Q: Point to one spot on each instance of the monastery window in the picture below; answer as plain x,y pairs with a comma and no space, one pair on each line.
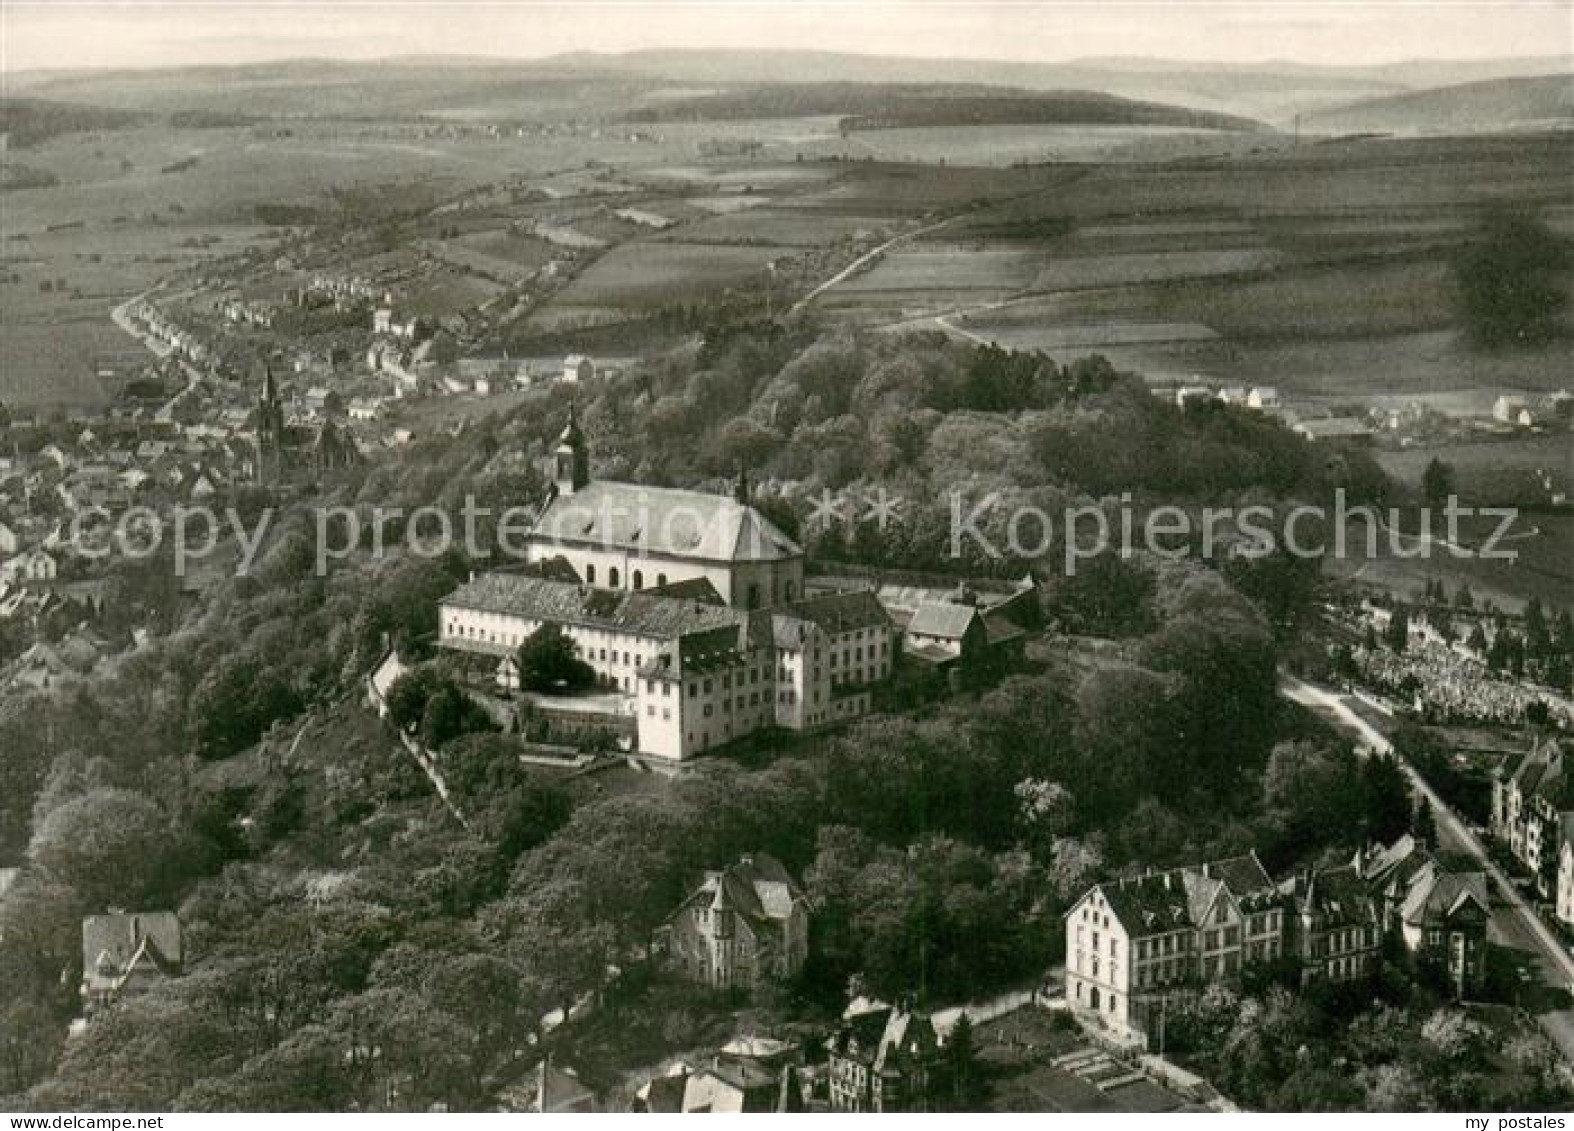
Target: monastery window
666,714
666,689
788,591
590,575
708,687
661,579
651,710
708,710
639,579
612,577
694,689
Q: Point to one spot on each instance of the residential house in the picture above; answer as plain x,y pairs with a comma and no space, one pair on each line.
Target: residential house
382,679
122,952
1130,942
1506,409
559,1091
882,1060
366,409
36,565
1439,915
577,368
1348,430
742,926
733,1083
1564,904
1339,926
1443,923
1528,803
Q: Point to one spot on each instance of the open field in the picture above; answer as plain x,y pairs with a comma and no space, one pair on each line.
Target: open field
1491,469
1542,564
1002,145
648,274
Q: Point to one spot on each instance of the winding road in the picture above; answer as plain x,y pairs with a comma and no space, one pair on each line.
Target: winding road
1515,923
863,261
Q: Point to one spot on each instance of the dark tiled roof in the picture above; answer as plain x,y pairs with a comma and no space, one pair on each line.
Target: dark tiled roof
885,1039
112,943
1338,897
537,598
1243,875
691,589
1150,905
840,612
757,888
1436,894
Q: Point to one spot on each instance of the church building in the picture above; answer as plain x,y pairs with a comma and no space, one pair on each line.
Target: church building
629,537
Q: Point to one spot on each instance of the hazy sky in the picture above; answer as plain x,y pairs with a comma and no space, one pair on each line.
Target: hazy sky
143,33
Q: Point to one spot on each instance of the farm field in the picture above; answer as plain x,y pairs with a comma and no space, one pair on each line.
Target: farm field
781,228
1002,145
653,272
1542,565
1490,469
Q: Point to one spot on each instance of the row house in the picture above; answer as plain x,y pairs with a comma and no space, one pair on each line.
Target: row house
1563,904
1133,941
1339,926
1529,801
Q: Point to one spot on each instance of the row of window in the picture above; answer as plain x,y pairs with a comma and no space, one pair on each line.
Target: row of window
615,579
1343,940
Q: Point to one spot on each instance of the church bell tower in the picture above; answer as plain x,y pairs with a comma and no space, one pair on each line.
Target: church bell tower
571,461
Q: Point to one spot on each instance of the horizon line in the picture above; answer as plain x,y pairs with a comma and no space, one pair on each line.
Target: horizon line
1080,60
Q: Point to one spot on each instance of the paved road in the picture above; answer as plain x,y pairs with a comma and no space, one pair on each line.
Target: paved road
1514,923
859,263
121,317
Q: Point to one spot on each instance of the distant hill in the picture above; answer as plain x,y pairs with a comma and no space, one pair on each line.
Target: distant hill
330,88
1495,104
1271,90
591,85
873,106
28,121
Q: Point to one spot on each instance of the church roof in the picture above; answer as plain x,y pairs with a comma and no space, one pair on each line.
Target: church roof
663,520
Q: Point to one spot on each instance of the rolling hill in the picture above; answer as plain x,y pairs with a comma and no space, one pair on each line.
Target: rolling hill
590,85
1495,104
870,106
